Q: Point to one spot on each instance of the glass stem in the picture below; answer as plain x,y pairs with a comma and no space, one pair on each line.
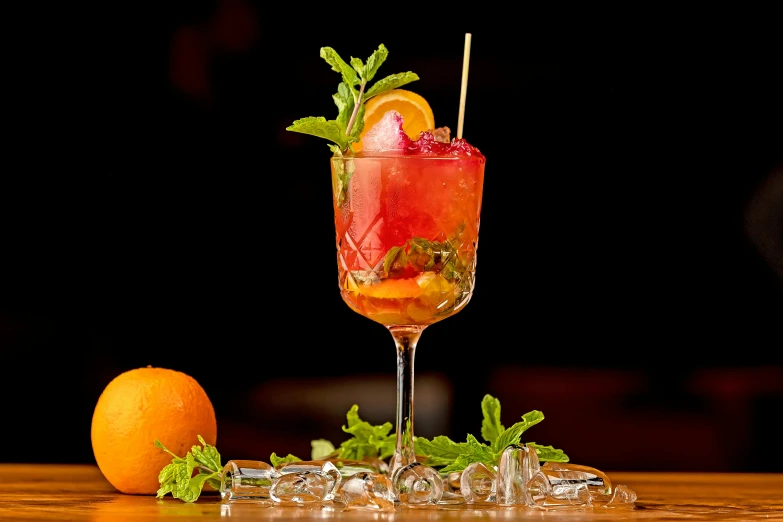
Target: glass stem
406,338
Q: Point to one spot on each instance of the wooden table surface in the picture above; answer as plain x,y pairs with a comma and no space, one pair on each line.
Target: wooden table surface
79,492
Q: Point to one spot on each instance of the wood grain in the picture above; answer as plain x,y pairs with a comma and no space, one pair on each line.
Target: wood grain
79,492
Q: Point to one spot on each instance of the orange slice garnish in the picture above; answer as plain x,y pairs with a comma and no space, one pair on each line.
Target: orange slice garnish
392,289
416,113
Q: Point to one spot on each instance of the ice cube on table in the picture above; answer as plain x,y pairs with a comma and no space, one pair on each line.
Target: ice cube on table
323,467
566,475
566,478
522,480
515,470
300,488
247,480
366,490
478,483
386,135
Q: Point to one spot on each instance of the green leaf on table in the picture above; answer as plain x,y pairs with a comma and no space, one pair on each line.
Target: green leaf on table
513,434
177,478
491,426
321,449
192,489
475,452
548,453
456,456
441,450
208,457
276,461
368,440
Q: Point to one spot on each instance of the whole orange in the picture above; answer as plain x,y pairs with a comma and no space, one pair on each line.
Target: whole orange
136,408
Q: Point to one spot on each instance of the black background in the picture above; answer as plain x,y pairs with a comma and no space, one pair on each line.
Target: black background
167,218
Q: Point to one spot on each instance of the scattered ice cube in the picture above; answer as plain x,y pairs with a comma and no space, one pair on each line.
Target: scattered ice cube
515,470
366,490
563,475
522,480
386,135
300,488
623,496
247,480
323,467
478,483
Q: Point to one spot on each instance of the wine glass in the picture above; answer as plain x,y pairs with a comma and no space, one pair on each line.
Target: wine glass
407,233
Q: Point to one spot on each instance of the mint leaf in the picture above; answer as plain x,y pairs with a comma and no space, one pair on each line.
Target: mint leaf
425,255
475,451
276,461
393,81
319,126
345,103
358,66
349,124
368,440
192,489
395,259
459,464
548,453
480,451
373,62
339,65
512,435
208,457
491,427
344,99
343,171
441,450
321,449
178,479
176,459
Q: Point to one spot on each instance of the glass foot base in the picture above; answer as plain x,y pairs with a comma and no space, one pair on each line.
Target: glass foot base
416,484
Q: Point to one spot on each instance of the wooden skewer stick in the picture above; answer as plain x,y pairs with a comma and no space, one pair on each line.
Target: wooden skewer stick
464,89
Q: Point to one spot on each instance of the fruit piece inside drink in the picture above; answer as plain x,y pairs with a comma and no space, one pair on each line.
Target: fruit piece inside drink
407,219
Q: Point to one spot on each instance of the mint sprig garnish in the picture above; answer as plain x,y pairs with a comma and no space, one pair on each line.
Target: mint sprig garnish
347,127
178,479
456,456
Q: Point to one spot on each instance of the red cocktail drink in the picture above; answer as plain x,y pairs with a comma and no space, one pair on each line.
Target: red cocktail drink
407,226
